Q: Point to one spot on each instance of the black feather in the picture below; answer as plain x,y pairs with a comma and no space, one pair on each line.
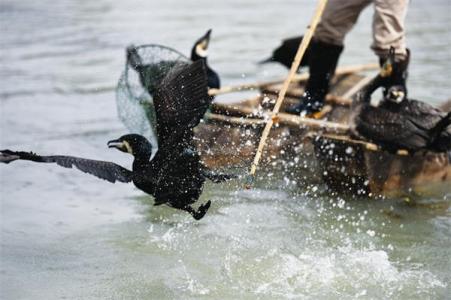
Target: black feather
181,101
102,169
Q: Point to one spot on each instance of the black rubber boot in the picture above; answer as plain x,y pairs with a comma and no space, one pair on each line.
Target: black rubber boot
322,62
395,72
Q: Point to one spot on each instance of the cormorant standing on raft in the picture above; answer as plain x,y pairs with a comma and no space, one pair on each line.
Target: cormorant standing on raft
398,122
175,176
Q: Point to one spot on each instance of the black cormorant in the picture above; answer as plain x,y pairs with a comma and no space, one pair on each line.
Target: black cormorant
397,122
285,53
175,176
200,52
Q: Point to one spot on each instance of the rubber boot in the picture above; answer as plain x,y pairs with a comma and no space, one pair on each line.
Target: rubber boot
322,63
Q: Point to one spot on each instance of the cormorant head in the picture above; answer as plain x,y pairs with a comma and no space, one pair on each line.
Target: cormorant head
396,94
200,48
279,55
285,53
135,144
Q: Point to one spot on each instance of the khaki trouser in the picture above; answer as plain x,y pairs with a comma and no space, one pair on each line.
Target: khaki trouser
388,24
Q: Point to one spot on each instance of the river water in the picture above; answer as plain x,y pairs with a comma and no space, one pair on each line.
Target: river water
67,235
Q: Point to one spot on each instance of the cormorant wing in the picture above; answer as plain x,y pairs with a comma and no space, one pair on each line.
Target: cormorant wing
422,114
151,75
391,129
103,169
181,101
153,63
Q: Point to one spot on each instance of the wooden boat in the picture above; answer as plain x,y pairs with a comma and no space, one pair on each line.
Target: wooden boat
230,134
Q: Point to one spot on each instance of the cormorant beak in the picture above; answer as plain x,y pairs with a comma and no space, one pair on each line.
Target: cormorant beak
397,96
265,61
115,144
123,146
202,44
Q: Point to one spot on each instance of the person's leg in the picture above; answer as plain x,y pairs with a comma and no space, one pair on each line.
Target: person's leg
338,18
389,31
323,60
388,28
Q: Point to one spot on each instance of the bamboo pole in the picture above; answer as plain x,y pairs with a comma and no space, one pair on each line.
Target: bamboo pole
240,121
356,88
297,78
294,67
282,118
367,145
338,100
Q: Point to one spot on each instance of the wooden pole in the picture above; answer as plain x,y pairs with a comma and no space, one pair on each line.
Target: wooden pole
356,88
282,119
240,121
367,145
294,67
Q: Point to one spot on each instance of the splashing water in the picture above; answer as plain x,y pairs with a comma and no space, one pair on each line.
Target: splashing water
65,234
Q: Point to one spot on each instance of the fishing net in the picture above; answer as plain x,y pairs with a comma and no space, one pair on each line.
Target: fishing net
145,67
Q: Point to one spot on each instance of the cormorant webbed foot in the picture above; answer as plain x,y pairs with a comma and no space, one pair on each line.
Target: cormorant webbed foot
201,211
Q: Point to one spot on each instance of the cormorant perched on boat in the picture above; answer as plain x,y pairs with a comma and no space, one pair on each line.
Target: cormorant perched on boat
200,52
175,176
285,53
398,122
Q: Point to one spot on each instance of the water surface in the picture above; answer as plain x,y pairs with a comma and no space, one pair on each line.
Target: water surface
68,235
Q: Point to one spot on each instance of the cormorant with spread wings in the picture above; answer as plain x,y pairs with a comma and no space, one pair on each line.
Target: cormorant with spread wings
175,176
